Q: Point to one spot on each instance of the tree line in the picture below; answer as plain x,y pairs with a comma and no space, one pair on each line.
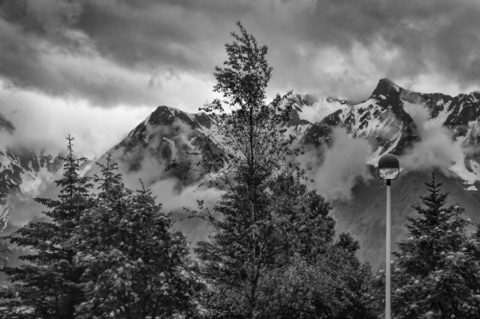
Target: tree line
110,252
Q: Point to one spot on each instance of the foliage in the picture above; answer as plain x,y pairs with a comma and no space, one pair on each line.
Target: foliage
435,272
332,287
134,264
48,285
271,235
109,254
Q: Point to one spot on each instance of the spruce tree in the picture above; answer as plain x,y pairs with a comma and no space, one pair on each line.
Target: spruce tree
47,285
136,265
435,272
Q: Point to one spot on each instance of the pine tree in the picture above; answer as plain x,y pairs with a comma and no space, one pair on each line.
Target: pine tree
47,286
136,266
435,272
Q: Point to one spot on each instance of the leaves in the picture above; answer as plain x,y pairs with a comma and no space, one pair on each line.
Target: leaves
135,266
47,286
270,232
109,254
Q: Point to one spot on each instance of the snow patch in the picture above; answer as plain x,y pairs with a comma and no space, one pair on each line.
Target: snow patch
410,108
4,215
319,110
33,183
460,169
6,162
414,109
173,148
443,115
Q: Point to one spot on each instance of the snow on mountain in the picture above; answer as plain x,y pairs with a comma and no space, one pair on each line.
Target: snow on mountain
167,135
427,131
314,110
23,173
389,120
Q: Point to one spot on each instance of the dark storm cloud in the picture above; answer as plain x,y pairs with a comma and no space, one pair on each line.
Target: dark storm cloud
43,50
405,38
111,52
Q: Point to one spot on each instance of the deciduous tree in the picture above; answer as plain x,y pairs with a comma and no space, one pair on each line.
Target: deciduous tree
270,233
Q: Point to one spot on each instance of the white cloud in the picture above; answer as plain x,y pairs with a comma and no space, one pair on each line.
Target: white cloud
42,122
172,197
344,163
436,148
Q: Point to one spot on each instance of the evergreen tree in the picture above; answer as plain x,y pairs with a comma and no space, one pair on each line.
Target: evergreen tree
435,272
135,264
47,286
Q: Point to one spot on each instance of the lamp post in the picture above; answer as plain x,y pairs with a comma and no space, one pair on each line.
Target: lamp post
388,170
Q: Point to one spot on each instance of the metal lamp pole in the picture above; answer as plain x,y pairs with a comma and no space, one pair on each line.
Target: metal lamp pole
388,265
388,169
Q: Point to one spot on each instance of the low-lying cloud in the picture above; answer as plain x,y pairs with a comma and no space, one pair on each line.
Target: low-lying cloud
175,198
43,122
437,147
23,206
337,168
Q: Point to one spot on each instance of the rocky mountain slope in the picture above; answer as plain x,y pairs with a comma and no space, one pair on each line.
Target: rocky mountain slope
343,142
427,131
23,174
22,171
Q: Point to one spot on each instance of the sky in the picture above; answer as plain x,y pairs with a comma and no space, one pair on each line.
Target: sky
95,69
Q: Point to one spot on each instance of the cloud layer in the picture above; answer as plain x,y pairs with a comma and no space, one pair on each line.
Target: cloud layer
121,51
43,122
436,149
337,168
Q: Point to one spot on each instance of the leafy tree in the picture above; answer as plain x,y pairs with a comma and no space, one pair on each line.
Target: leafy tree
293,229
47,286
253,151
267,225
333,287
435,273
135,264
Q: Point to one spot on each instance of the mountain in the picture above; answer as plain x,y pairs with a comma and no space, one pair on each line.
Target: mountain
167,134
21,171
24,173
343,142
428,132
391,120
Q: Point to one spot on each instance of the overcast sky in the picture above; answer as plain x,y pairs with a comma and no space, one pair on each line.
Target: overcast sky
96,68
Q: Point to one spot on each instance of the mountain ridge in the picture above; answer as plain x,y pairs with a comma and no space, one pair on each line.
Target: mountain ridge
391,120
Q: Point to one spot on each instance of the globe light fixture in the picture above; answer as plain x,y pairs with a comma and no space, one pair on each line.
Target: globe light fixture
388,167
388,170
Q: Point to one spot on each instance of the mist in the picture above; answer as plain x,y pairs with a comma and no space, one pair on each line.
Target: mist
43,122
437,147
338,167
